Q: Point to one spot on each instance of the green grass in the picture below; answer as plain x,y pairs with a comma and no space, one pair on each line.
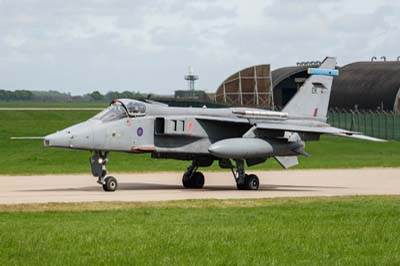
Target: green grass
60,105
302,231
30,157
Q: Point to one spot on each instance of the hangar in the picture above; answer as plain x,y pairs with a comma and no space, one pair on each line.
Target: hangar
251,86
364,85
360,85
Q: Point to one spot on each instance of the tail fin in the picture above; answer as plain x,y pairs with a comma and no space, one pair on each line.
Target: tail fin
312,99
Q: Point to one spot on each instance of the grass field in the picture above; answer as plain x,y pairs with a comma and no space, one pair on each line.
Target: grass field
30,157
70,105
296,231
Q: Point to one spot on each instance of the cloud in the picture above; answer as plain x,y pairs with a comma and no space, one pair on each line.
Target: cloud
79,46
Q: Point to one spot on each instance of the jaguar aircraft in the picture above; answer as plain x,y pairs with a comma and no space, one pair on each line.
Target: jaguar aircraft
234,137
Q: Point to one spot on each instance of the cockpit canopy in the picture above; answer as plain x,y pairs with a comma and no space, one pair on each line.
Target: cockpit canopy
114,112
135,108
120,109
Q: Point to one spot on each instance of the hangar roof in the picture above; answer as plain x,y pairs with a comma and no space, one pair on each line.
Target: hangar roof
248,87
283,73
369,84
366,84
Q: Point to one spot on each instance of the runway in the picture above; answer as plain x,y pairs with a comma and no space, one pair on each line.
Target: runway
219,185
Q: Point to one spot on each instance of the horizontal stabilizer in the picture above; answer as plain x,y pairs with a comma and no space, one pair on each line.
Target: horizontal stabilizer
300,128
362,137
287,161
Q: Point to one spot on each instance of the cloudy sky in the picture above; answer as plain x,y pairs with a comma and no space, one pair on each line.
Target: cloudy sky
147,45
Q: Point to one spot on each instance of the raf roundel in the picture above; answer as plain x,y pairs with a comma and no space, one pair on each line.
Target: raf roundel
139,131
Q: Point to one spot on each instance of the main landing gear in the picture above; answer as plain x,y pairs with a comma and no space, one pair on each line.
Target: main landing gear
191,178
194,179
244,181
98,164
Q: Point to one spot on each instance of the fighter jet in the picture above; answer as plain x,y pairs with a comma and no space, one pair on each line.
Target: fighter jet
234,137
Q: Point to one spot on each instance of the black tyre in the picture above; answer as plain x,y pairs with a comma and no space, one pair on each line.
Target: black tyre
187,181
111,184
198,180
252,182
194,181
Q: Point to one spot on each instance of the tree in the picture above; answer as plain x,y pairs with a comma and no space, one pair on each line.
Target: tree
97,96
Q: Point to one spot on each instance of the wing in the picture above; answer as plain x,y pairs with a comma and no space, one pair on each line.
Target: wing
318,130
295,128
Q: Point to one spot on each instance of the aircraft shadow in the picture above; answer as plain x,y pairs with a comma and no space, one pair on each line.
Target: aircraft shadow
155,186
271,187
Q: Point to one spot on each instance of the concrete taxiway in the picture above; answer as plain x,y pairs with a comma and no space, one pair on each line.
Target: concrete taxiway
219,185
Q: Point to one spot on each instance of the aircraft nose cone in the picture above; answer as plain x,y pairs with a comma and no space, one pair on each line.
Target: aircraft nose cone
76,137
58,139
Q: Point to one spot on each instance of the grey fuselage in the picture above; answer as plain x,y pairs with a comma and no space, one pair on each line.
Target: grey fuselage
185,133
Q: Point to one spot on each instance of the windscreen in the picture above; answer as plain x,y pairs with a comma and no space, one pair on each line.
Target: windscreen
115,112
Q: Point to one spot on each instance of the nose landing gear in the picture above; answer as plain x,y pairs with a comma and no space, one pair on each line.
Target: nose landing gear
98,165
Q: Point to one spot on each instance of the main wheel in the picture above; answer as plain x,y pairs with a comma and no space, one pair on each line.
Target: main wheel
110,184
194,181
252,182
198,180
186,181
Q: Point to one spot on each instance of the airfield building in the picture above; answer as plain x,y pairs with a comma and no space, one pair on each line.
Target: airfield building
251,86
360,85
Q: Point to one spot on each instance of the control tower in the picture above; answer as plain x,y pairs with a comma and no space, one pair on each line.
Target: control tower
191,78
191,94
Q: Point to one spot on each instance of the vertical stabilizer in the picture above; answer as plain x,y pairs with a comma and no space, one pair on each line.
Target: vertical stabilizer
312,99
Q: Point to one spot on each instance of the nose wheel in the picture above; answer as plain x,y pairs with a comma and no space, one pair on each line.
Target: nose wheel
98,164
110,183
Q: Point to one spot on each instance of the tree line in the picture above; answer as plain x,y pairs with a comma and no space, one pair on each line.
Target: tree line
56,96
